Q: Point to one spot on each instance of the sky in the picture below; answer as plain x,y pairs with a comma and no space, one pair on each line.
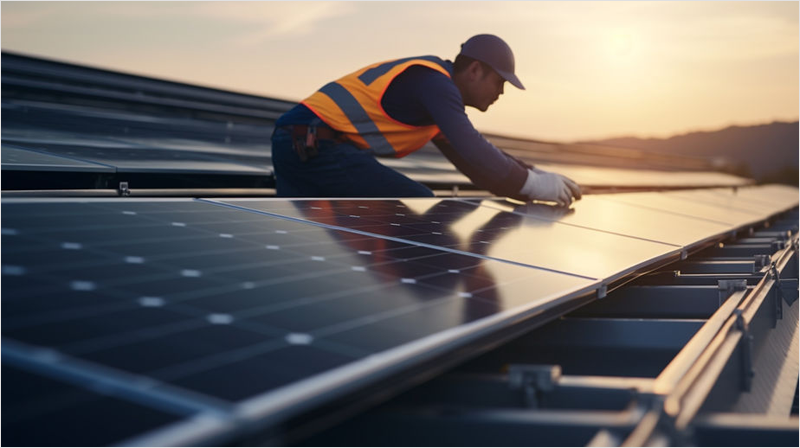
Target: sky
592,69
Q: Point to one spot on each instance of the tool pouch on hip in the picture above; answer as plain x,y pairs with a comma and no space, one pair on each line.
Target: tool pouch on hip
305,145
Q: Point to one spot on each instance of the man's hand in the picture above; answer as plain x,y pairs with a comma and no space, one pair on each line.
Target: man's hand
546,186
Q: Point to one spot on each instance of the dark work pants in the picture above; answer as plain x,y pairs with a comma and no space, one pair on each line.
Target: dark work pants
339,170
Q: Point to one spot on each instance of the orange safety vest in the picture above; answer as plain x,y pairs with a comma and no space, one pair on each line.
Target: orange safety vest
352,106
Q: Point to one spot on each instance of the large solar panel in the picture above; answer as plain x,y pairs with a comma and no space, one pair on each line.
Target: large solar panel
201,315
210,306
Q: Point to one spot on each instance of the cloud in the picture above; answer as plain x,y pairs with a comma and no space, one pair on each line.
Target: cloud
22,15
276,19
270,20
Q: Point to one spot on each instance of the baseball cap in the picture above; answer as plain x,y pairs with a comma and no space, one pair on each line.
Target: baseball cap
494,51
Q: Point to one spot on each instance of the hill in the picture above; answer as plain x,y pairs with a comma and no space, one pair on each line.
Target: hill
768,152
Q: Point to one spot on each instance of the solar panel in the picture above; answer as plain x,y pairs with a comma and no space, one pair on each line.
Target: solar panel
206,305
17,159
149,160
485,231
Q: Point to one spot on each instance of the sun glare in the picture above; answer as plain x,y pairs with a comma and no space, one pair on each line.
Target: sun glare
620,44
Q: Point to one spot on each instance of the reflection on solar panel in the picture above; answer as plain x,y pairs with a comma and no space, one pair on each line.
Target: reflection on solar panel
504,236
199,316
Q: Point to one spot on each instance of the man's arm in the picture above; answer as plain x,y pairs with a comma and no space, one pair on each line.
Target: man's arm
499,186
486,165
422,92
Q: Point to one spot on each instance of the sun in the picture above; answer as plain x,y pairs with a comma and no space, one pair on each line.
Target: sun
620,44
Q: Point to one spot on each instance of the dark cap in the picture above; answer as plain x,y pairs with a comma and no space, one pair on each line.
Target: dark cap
494,51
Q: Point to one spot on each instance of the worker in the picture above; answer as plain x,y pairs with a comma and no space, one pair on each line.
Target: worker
326,145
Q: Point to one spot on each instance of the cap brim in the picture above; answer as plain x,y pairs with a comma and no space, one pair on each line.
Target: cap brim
512,78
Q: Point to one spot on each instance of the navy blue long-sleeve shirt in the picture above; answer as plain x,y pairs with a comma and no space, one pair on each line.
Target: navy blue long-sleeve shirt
421,96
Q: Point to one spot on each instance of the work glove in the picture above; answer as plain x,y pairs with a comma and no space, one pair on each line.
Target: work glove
545,186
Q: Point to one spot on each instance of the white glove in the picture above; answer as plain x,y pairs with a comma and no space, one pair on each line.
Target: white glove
544,186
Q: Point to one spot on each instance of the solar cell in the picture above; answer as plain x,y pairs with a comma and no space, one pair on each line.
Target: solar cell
214,304
484,231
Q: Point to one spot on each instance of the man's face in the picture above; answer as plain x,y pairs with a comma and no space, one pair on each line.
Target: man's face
485,87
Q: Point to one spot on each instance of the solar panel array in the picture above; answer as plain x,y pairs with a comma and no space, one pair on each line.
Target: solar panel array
205,319
67,126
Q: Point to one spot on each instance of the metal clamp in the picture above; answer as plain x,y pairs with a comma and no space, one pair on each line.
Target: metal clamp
777,296
746,346
728,287
777,245
534,380
123,189
786,289
761,261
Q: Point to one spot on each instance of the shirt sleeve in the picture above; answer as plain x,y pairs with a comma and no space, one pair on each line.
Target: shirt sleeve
485,165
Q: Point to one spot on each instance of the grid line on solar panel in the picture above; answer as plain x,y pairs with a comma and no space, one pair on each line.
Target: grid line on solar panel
133,387
555,214
474,250
483,232
71,412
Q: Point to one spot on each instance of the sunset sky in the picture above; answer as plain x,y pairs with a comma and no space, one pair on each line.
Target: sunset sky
592,69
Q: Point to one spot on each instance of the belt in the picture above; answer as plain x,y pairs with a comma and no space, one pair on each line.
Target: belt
323,132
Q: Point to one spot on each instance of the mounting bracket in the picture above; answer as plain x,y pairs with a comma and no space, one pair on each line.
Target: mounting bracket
728,287
746,345
534,380
123,189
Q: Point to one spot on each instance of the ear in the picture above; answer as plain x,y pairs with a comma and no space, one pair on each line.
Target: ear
475,70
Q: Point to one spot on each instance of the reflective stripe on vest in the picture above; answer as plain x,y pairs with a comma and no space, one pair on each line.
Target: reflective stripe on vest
352,105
